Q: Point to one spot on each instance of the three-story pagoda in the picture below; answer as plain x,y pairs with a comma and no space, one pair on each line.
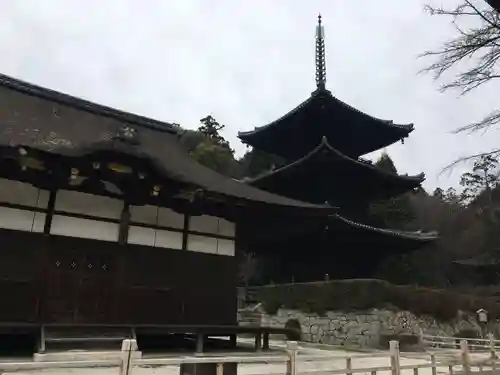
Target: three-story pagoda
322,141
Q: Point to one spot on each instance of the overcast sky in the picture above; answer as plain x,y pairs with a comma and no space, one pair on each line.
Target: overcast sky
247,63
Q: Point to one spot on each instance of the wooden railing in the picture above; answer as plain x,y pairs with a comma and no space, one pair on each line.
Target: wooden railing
490,343
289,362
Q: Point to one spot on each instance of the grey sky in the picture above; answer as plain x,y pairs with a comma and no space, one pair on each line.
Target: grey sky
247,63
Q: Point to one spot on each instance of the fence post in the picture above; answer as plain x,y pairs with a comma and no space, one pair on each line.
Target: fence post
292,348
348,366
129,346
394,353
433,364
493,354
421,337
464,352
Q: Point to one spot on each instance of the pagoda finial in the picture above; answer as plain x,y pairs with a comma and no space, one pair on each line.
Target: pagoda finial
320,55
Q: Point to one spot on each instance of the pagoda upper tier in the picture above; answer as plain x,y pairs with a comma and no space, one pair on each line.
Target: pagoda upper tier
347,129
307,179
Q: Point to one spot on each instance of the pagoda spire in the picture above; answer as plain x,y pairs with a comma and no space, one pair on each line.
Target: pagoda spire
320,55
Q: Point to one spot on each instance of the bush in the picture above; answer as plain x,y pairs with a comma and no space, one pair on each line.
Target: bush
362,294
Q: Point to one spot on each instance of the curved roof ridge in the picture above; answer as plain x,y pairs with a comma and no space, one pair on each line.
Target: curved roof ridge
408,127
85,105
324,144
418,235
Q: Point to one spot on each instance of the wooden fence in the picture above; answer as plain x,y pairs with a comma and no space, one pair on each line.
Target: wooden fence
291,362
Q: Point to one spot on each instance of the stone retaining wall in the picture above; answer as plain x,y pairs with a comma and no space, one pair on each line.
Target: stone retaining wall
362,328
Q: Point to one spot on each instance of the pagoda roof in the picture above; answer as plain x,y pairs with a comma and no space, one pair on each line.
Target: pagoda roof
37,118
352,132
326,174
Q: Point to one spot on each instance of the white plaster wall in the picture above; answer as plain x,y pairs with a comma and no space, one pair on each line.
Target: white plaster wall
15,192
84,228
15,219
211,225
210,245
154,238
88,204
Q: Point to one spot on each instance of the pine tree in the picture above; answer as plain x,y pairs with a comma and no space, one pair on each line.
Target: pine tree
482,178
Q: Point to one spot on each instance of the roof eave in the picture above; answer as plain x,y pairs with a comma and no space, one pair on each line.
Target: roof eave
324,144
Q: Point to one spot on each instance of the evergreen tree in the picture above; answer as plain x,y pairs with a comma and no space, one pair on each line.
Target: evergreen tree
438,193
386,164
482,178
396,212
256,162
209,147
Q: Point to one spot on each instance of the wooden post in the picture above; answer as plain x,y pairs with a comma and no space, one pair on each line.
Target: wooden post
421,337
258,341
41,348
220,369
464,354
394,353
493,354
265,341
292,349
233,341
348,366
433,364
128,347
199,342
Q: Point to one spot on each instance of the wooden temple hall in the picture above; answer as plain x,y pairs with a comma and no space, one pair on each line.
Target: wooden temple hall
107,224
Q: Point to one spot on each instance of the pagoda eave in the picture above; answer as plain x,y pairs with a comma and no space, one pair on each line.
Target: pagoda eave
325,174
325,115
389,241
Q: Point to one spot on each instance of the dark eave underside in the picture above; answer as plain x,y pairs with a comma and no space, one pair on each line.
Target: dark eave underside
325,174
358,125
27,119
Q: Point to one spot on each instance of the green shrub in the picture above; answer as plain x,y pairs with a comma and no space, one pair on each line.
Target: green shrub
362,294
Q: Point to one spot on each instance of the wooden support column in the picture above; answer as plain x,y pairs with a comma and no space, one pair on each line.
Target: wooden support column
185,231
200,338
265,341
124,224
50,211
233,341
258,342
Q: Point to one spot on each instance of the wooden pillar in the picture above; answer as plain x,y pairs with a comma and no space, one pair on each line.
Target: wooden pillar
258,341
50,212
265,343
200,338
124,225
233,340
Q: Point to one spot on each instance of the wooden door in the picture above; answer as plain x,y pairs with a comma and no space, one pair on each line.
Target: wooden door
63,266
82,282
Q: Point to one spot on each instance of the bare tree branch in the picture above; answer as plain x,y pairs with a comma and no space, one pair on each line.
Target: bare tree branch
475,52
492,119
464,159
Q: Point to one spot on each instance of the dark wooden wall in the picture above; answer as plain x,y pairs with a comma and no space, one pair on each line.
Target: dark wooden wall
52,279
